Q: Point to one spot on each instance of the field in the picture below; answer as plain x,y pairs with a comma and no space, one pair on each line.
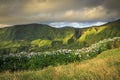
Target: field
40,60
105,66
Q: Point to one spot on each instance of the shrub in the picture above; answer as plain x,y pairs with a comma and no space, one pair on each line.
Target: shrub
39,60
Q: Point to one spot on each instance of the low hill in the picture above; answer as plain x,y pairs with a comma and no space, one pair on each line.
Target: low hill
41,37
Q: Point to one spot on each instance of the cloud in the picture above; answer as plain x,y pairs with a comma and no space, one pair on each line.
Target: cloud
40,11
63,24
4,25
75,24
99,23
85,14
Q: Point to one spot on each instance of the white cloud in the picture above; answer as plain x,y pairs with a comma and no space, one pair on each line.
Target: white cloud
75,24
30,11
4,25
99,23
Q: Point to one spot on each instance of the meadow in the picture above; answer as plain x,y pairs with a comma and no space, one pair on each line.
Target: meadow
106,66
40,60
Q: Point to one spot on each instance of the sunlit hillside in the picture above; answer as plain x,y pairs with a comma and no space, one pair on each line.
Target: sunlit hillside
39,37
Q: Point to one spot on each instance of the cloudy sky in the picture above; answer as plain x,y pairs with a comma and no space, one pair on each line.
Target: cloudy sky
58,13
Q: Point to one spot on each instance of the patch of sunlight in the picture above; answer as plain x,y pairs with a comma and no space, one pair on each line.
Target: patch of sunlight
14,44
41,43
101,29
8,44
45,43
65,40
87,33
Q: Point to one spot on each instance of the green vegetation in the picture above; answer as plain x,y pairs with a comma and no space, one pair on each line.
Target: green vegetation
104,67
37,44
47,53
40,60
39,37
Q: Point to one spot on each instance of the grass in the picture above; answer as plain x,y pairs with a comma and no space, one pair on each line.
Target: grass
65,40
88,32
41,43
105,66
44,37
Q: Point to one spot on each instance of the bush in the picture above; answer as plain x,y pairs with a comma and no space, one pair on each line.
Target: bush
25,61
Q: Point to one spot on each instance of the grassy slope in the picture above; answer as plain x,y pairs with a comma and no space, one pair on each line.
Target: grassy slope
105,66
33,32
54,37
94,34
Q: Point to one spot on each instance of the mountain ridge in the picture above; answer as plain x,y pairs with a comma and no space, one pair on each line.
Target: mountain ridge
118,20
40,37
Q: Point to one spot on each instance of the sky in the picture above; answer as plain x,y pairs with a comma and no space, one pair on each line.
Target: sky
59,13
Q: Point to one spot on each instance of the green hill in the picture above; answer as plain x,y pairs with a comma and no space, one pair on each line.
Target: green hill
41,37
34,31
